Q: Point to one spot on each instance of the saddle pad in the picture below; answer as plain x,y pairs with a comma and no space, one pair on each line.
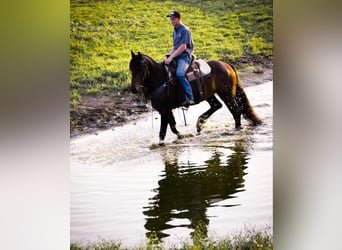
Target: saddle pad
204,70
204,67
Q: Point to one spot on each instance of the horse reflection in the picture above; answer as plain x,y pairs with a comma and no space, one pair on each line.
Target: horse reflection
186,191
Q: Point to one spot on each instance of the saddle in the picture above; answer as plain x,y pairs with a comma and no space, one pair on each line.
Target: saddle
197,71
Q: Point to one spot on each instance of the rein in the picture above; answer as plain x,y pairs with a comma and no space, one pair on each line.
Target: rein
157,92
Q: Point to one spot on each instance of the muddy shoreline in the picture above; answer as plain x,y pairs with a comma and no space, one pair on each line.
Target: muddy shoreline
97,113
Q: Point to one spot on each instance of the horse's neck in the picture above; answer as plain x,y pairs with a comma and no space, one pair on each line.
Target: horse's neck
157,75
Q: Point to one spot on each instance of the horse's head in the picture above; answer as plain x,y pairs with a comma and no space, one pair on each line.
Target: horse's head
139,71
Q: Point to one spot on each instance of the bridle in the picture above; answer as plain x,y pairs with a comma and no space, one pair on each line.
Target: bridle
145,72
144,75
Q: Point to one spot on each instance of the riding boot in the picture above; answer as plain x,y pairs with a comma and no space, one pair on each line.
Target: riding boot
188,102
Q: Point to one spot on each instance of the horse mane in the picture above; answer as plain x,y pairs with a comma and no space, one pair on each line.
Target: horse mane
149,59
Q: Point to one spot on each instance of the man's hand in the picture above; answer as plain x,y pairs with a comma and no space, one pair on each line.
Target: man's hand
175,53
168,60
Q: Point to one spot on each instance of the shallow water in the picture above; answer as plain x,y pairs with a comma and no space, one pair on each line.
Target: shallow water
124,189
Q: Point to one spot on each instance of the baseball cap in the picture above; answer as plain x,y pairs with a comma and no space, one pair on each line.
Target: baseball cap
174,13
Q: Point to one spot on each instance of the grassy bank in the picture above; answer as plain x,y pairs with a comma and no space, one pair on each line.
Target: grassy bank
102,34
249,238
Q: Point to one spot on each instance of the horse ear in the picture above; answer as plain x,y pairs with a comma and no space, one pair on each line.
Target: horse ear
132,53
140,56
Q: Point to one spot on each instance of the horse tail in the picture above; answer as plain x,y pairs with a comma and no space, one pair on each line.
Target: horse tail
244,104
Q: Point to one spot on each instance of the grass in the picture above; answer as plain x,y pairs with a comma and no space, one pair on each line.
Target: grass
249,238
102,34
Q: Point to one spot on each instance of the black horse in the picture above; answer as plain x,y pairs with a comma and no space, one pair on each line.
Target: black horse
152,78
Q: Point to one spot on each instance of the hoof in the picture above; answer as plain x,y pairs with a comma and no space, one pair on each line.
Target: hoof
200,124
161,143
153,146
179,136
256,123
198,128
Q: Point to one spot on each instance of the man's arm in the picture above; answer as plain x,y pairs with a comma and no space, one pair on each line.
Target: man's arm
175,53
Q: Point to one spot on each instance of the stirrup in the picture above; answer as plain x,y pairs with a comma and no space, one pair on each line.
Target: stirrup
187,103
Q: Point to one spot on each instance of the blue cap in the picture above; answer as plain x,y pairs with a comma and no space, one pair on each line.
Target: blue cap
174,13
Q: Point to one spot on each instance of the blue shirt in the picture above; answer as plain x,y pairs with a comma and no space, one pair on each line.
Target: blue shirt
182,35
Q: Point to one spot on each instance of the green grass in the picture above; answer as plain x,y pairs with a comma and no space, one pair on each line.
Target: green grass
102,34
249,238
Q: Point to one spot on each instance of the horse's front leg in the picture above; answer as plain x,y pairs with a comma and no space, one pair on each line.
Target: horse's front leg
172,122
163,127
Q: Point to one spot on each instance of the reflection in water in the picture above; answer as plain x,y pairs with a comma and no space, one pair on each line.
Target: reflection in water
186,190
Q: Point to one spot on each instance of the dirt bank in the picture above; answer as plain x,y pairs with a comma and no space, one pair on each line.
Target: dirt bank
103,112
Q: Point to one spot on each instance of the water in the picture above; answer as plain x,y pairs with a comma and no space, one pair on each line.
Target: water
123,189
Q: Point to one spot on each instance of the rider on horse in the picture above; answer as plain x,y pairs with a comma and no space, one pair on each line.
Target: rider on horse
182,49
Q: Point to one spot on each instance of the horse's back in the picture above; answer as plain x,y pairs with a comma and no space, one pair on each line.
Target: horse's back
222,72
220,66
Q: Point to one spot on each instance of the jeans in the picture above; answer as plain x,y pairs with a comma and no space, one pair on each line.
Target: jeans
183,63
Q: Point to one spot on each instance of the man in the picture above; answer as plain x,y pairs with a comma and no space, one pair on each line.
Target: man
181,51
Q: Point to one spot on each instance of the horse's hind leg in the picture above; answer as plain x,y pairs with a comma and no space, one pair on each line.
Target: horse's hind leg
233,108
214,106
